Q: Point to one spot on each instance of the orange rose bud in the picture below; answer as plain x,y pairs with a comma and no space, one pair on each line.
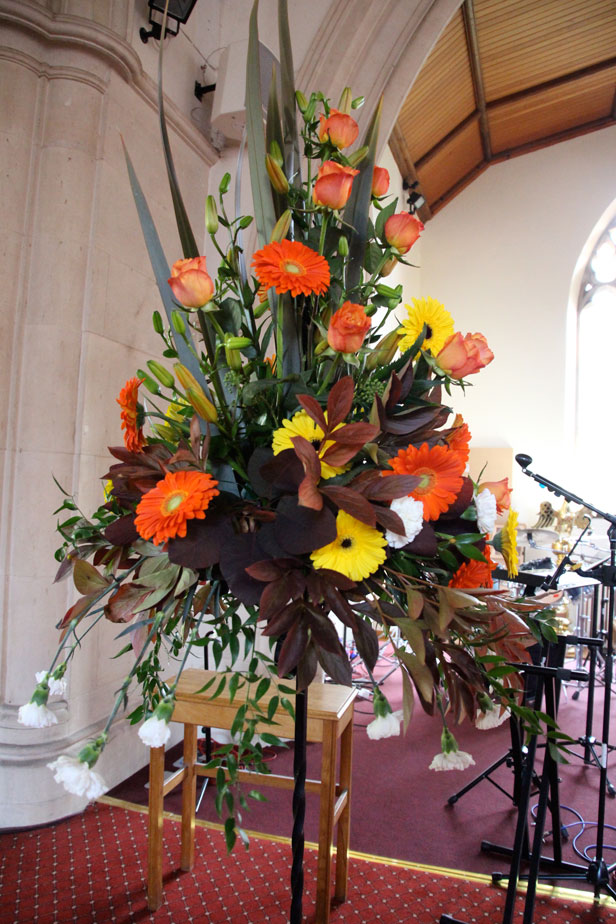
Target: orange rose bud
500,490
190,282
340,129
380,182
333,186
463,356
348,328
402,230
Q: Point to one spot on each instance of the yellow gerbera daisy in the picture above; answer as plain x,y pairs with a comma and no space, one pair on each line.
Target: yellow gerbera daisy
303,425
436,318
357,551
506,542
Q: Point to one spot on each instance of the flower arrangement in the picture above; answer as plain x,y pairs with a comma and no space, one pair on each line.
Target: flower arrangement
291,458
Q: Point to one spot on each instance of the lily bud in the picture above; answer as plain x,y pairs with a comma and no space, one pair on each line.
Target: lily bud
157,322
149,382
232,259
202,405
281,228
178,322
163,375
321,347
211,215
345,101
238,343
301,100
384,351
185,376
343,246
357,156
234,358
276,152
277,178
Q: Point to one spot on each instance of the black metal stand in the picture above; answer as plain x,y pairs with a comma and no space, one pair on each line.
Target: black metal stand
512,759
299,806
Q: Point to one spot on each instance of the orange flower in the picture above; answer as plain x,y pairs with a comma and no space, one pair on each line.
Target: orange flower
380,182
340,129
134,439
333,186
460,438
463,356
292,267
440,470
474,573
500,490
348,328
162,512
190,282
402,230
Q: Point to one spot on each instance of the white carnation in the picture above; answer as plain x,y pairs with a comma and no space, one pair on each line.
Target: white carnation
410,512
485,503
155,732
492,718
35,716
56,687
454,760
385,726
77,777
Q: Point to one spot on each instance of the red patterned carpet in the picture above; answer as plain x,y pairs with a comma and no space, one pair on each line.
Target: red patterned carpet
91,868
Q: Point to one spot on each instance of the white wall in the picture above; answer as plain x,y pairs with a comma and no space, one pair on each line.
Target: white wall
501,257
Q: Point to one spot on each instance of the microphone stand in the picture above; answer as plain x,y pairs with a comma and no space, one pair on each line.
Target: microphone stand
598,873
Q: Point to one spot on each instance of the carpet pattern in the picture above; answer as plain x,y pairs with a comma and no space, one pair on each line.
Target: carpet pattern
91,868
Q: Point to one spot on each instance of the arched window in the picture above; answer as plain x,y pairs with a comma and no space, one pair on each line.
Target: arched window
596,368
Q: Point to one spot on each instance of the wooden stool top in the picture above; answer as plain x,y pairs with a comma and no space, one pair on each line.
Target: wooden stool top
327,702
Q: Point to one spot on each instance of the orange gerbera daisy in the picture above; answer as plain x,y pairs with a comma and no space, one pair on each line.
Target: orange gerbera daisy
474,573
460,438
162,512
131,415
290,266
440,470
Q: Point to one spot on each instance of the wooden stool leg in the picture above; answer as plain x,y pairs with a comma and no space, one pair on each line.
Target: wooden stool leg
189,795
155,828
326,823
344,822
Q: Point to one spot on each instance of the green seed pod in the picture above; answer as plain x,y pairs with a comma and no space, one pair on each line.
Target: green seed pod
343,246
163,375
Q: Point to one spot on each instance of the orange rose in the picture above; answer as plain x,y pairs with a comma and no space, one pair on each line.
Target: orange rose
462,356
333,186
348,328
340,129
190,282
402,230
380,182
500,490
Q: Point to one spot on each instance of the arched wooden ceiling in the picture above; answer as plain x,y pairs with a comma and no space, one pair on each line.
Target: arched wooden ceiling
505,77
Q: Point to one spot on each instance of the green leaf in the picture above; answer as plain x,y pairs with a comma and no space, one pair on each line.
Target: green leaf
471,551
257,796
230,835
356,213
289,125
261,190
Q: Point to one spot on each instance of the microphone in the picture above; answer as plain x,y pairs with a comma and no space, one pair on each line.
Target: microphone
523,460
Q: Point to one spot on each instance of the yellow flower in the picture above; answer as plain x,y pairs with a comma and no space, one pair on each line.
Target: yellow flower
167,431
506,541
436,318
303,425
357,551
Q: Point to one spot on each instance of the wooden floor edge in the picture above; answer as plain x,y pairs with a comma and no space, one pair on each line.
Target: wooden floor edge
585,898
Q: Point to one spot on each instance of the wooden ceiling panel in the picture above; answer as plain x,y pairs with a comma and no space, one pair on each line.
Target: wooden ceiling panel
442,96
461,155
526,42
545,114
506,77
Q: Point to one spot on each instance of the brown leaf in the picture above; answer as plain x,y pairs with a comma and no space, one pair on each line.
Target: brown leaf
314,410
351,502
122,605
292,648
274,598
389,519
355,434
86,578
389,487
339,402
308,492
77,609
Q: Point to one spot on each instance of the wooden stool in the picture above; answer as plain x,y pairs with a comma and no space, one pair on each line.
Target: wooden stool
330,716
